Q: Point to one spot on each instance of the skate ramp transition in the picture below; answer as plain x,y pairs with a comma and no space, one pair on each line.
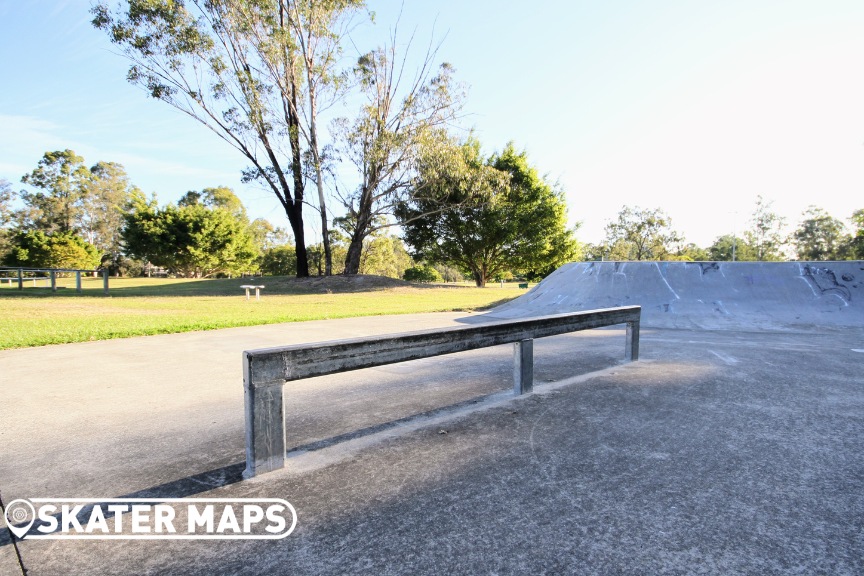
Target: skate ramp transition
705,295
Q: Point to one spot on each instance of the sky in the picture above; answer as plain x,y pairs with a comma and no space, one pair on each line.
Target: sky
695,108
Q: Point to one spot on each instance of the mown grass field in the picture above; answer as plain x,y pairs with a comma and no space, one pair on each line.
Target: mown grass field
143,306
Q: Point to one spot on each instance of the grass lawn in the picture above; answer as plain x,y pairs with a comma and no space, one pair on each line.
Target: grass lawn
143,306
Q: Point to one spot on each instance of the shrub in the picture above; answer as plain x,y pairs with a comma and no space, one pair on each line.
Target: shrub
424,273
35,249
279,261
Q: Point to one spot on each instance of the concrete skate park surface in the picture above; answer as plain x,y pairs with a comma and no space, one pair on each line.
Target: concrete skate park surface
729,451
709,295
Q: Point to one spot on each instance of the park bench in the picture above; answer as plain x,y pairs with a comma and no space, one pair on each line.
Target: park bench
266,370
257,289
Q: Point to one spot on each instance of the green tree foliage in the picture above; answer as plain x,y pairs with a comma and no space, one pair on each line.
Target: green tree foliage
318,253
381,254
449,273
820,236
6,197
37,249
727,248
219,197
108,192
503,217
6,214
400,117
594,252
279,261
691,253
256,73
384,255
423,273
855,248
71,198
268,236
765,235
278,255
192,240
640,234
318,258
58,205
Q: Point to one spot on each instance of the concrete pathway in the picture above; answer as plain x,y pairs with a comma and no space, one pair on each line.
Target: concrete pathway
717,453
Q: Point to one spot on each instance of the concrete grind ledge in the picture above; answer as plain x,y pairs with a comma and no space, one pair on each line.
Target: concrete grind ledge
717,453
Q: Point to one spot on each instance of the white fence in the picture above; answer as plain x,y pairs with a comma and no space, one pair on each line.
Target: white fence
26,275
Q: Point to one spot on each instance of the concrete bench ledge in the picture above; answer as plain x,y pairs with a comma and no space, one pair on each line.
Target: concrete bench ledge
257,289
266,370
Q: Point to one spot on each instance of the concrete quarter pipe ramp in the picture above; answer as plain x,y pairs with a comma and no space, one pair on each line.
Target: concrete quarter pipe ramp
706,295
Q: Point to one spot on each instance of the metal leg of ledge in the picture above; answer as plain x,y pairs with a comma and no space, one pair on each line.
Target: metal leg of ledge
631,347
265,429
523,367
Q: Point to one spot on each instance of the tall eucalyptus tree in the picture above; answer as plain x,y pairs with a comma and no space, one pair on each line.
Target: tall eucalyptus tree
255,72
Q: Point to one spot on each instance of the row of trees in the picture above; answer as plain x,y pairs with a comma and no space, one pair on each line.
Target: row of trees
647,234
500,218
261,74
73,216
70,217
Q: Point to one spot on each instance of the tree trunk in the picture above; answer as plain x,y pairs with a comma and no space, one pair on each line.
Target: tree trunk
479,277
313,144
328,255
361,230
355,252
299,238
302,257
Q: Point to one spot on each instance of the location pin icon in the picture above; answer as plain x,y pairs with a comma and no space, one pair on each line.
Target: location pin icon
19,511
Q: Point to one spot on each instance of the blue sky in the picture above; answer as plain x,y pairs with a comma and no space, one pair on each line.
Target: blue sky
692,107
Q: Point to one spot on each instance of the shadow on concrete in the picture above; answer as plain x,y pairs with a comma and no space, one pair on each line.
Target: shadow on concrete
377,428
181,488
487,369
720,453
711,458
233,473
